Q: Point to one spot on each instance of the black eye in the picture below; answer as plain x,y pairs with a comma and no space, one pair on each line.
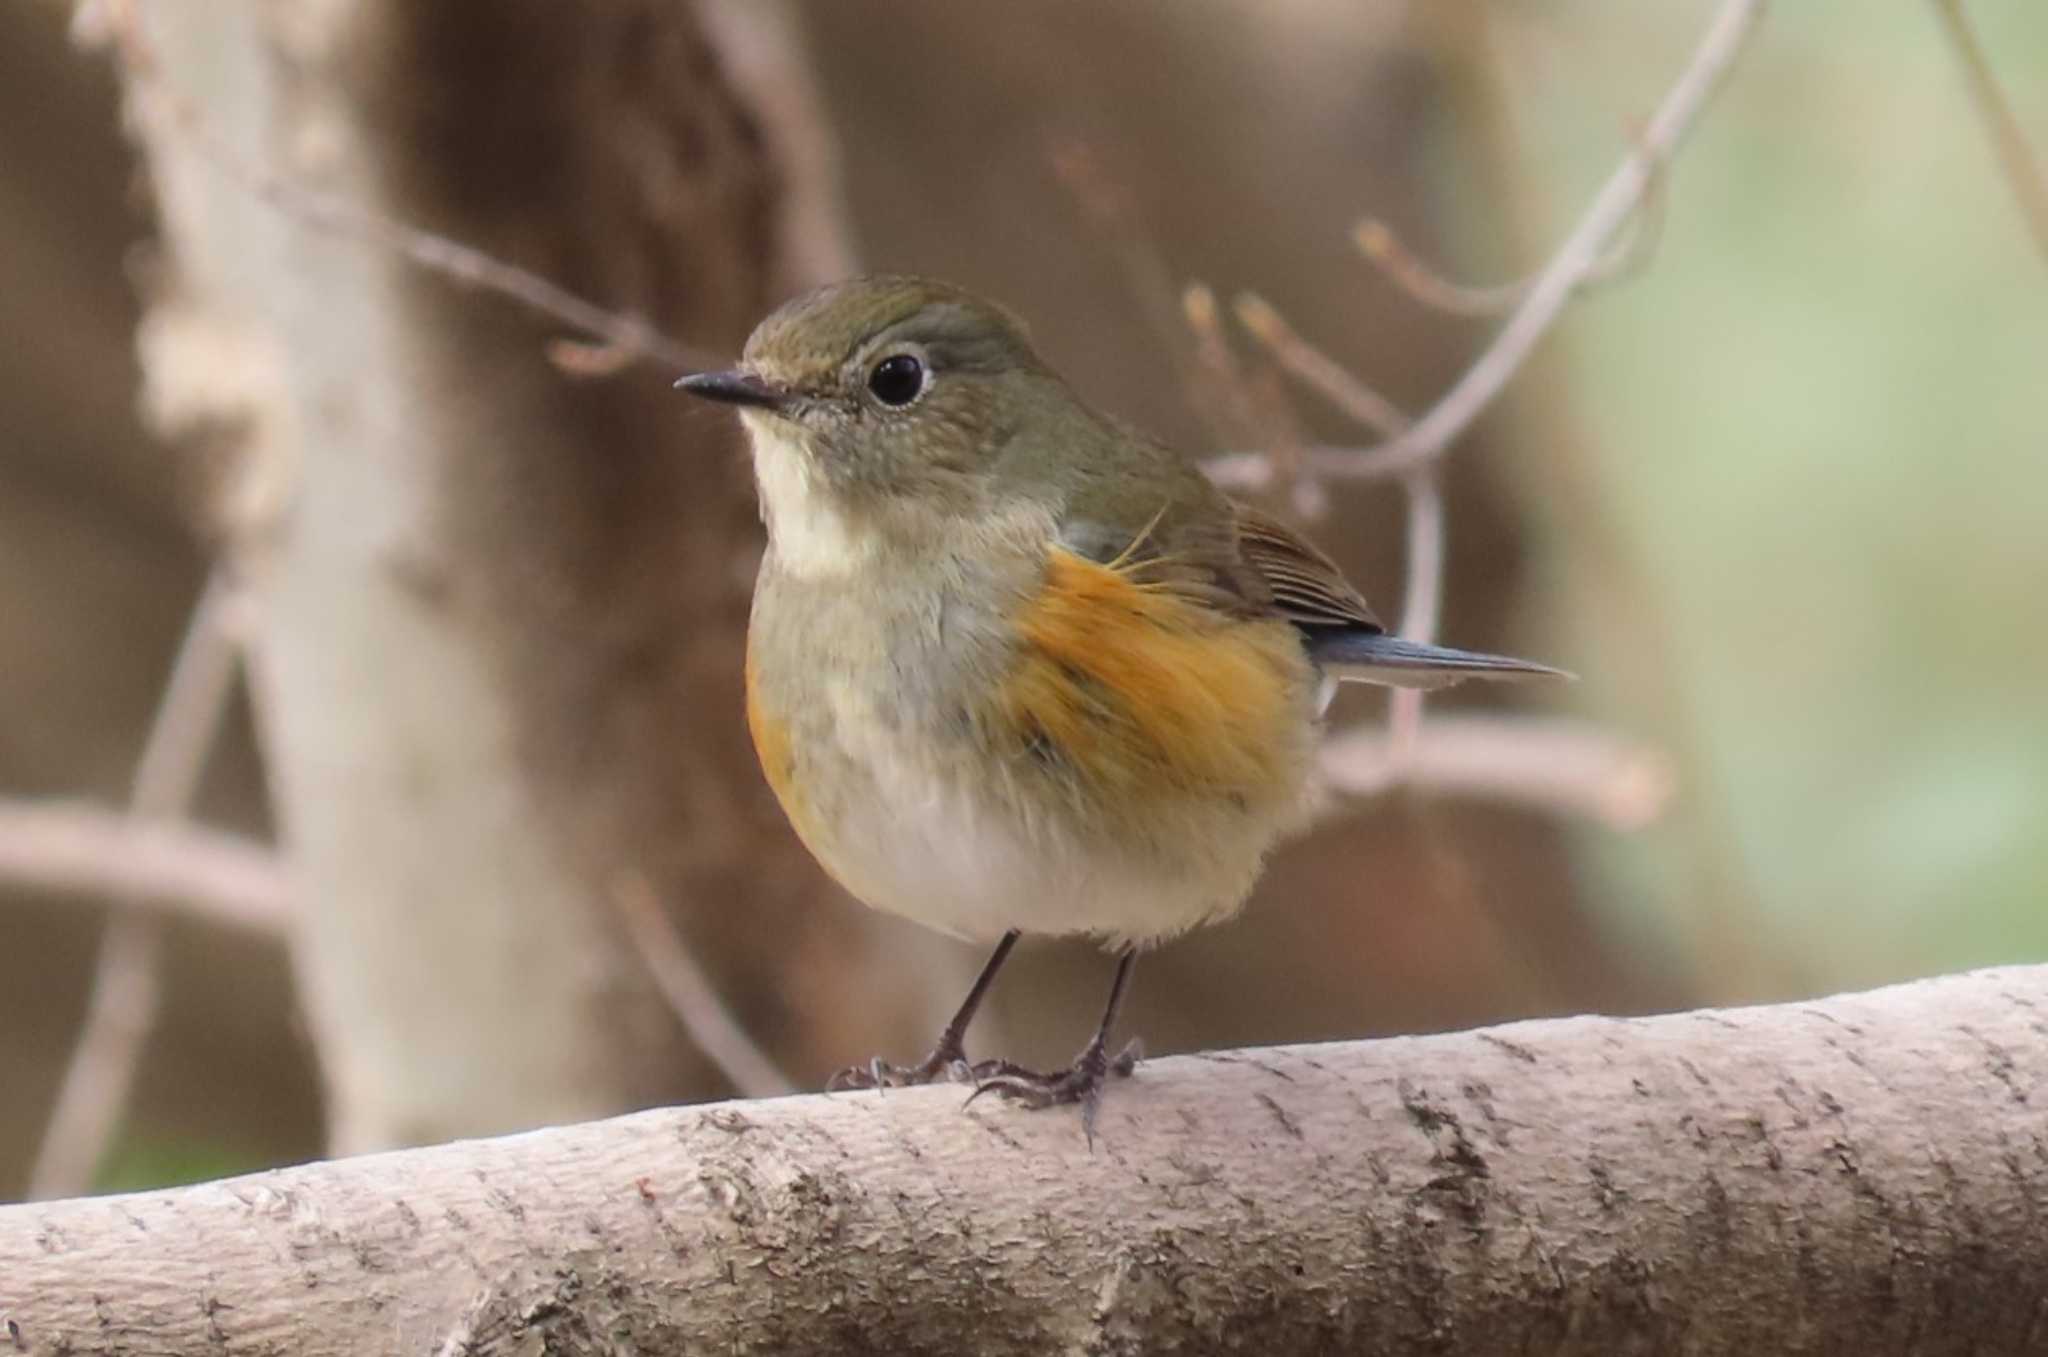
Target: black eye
897,380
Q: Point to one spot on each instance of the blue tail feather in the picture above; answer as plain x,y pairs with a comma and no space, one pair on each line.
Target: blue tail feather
1357,655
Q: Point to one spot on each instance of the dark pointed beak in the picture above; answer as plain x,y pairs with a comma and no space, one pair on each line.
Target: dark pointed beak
734,388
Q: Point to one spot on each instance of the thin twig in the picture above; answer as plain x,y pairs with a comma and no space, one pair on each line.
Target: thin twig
1409,272
2008,139
1582,255
709,1024
1307,496
1425,529
125,989
1559,766
1219,372
173,868
1254,410
1422,602
1317,370
1626,256
619,333
1576,259
1252,472
1236,405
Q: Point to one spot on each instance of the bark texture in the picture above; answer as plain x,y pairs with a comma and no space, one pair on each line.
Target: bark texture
1863,1174
493,600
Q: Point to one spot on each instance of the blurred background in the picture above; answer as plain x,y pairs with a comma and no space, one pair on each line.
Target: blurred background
1780,496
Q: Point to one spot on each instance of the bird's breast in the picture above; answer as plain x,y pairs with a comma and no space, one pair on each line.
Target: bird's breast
1080,752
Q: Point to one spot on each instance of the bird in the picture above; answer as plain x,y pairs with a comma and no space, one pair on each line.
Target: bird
1012,666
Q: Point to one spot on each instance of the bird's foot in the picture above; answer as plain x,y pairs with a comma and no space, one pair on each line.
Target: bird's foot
1081,1082
946,1064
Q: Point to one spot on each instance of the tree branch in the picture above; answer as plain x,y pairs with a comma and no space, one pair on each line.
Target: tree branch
692,997
1412,449
1579,259
1554,764
170,867
1862,1174
1585,256
1626,255
121,1009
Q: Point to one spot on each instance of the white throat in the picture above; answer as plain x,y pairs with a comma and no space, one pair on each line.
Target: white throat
809,532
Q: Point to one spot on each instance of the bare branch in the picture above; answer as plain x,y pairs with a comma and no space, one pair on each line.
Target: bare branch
171,868
2008,139
709,1024
1317,370
1596,250
1629,252
1558,766
1408,271
1422,601
1215,361
1575,1187
620,333
1577,259
1256,411
1424,571
122,1008
1252,472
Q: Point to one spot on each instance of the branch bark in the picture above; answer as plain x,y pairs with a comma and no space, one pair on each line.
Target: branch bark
1862,1174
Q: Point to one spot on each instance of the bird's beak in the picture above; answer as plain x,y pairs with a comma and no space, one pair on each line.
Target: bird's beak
735,387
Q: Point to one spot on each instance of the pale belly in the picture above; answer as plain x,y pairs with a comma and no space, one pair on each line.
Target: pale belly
979,863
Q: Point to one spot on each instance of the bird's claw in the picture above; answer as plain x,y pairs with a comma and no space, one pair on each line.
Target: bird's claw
941,1066
1081,1082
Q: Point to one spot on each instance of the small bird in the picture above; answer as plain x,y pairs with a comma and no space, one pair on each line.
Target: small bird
1014,668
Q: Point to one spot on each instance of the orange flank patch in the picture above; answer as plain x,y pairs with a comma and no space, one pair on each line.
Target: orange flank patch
772,747
1143,690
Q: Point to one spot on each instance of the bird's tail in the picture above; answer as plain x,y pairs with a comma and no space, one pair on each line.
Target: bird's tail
1358,656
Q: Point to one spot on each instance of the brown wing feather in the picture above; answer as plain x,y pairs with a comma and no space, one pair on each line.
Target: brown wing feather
1206,547
1307,587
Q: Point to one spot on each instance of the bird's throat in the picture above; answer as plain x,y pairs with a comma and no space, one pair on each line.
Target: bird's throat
810,529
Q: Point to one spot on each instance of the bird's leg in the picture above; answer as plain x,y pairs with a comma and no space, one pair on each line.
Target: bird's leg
1080,1082
948,1059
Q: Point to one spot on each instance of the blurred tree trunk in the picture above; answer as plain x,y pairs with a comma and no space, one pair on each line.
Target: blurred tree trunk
498,612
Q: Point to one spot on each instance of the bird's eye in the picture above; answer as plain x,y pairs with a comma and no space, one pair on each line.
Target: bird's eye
897,380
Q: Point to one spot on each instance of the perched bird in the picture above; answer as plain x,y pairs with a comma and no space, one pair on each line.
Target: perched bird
1012,667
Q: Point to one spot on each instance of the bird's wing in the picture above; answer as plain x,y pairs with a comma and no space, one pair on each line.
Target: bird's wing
1306,586
1141,509
1240,562
1188,537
